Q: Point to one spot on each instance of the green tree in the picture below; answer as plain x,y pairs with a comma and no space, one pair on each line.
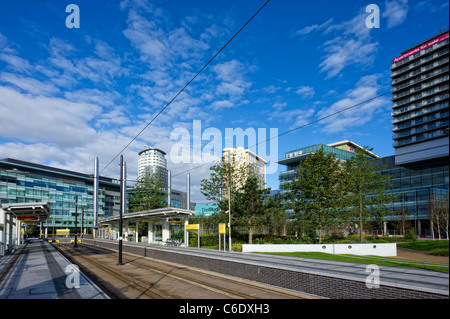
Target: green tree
148,193
315,193
248,206
225,173
365,189
275,214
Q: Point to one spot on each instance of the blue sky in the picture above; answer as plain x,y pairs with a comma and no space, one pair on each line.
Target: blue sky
68,95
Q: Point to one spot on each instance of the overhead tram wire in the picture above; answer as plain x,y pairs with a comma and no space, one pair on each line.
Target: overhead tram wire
181,91
296,128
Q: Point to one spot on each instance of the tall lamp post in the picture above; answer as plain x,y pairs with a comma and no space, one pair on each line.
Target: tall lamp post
122,204
229,214
76,220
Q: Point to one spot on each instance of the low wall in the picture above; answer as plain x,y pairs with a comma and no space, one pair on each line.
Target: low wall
386,250
315,284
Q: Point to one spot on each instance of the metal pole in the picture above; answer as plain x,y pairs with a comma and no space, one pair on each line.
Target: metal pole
188,191
76,219
169,189
95,208
229,218
122,205
82,222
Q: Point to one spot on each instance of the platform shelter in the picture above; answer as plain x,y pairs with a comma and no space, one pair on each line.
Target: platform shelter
164,225
12,218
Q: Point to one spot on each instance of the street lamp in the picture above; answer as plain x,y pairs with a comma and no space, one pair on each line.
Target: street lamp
229,214
76,219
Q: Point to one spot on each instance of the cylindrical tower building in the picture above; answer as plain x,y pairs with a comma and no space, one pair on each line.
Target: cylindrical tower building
153,161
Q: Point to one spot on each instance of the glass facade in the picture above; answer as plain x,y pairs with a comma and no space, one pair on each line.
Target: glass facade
22,182
413,188
420,96
293,158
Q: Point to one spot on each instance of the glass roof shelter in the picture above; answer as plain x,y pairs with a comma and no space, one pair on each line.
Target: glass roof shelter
164,225
12,215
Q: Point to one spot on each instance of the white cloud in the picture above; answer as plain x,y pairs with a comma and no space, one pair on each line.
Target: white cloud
366,88
350,44
29,84
342,53
313,28
43,119
16,63
305,91
232,82
67,70
65,108
395,12
297,117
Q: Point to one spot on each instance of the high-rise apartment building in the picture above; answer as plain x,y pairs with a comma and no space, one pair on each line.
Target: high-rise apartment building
153,161
244,156
420,96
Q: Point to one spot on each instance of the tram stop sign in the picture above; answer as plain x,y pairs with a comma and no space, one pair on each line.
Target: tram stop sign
222,229
192,226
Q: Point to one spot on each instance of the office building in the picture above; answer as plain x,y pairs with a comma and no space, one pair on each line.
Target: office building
420,96
67,193
242,156
413,188
178,199
153,161
343,150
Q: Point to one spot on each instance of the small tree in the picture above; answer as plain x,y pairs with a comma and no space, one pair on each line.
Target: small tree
315,193
439,212
148,193
248,206
222,175
276,216
365,189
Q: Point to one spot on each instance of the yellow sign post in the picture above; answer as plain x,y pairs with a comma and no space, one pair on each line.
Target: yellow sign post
222,230
193,227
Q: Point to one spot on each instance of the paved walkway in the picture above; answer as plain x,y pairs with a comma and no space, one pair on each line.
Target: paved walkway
40,273
406,253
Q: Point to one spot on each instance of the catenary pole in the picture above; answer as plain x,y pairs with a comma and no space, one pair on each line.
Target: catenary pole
122,205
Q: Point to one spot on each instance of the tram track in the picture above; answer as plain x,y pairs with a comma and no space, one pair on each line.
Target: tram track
142,277
108,278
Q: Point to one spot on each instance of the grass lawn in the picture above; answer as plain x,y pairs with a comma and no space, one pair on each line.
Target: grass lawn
425,245
386,261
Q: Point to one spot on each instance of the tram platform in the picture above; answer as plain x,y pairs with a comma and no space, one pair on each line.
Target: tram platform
41,272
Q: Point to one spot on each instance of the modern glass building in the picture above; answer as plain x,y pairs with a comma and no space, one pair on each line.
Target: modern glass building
420,96
343,151
67,192
413,190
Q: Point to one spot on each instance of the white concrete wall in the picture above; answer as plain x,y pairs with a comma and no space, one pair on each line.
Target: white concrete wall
385,249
